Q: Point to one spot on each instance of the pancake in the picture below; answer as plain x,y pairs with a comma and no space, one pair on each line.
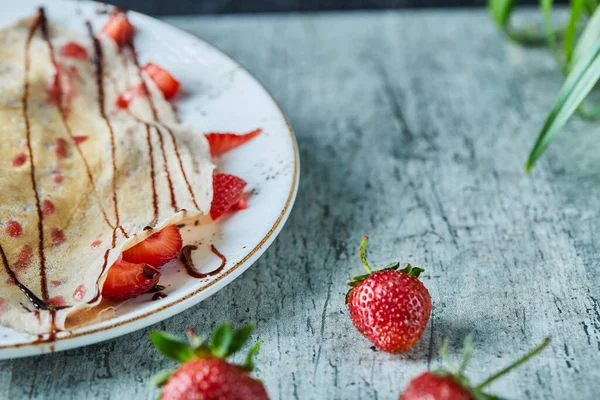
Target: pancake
81,180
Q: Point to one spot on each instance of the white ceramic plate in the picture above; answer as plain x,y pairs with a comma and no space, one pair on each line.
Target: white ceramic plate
219,96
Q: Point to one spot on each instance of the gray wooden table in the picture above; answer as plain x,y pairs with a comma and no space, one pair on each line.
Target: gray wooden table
413,128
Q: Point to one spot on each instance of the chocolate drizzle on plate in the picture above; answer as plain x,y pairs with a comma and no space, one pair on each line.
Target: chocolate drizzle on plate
157,288
159,296
185,256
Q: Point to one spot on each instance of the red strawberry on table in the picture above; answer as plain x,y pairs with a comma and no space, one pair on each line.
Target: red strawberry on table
454,385
118,28
223,142
125,280
157,249
390,307
168,85
205,373
228,190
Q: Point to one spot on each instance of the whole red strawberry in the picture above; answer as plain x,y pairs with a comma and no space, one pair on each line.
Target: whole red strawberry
447,385
205,373
390,307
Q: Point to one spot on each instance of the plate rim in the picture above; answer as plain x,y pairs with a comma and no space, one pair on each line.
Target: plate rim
38,347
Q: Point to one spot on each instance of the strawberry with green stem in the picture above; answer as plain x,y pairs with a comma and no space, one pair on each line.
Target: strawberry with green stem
389,306
205,372
452,384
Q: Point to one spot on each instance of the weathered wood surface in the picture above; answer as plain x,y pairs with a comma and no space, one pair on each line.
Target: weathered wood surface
413,128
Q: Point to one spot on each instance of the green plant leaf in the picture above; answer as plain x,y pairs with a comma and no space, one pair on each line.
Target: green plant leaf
160,378
501,11
248,364
576,87
588,37
546,6
221,340
577,7
240,336
172,347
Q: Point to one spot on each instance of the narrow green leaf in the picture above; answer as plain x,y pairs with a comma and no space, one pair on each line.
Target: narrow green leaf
577,7
546,6
248,364
501,11
221,340
160,378
576,87
588,37
240,336
171,346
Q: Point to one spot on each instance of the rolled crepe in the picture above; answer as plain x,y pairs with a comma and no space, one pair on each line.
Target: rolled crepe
81,179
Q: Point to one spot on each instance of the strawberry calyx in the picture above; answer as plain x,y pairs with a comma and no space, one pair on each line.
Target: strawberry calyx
457,372
224,342
357,280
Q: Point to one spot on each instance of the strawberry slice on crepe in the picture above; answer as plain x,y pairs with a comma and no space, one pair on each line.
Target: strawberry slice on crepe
157,249
223,142
126,280
118,28
168,85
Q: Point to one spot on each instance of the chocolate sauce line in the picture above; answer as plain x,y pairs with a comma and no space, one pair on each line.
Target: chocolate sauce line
36,301
186,259
63,115
25,107
99,66
158,132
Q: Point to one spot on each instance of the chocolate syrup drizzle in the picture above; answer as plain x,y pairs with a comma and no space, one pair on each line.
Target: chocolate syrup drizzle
158,132
99,66
25,107
63,115
185,256
36,301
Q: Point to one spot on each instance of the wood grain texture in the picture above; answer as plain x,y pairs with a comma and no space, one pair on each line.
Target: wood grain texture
413,128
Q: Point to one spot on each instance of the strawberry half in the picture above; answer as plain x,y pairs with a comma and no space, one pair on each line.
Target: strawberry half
168,85
205,372
126,280
74,50
444,384
223,142
228,190
157,249
118,28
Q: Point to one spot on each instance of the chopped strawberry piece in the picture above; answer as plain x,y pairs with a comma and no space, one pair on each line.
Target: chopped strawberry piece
61,148
57,301
126,280
128,95
61,87
74,50
168,85
19,160
58,236
223,142
48,207
24,258
55,284
79,293
157,249
13,229
96,243
227,191
79,139
118,28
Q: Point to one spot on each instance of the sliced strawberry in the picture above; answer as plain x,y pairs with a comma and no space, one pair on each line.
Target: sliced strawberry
223,142
156,249
13,229
227,191
74,50
126,280
168,85
118,28
128,95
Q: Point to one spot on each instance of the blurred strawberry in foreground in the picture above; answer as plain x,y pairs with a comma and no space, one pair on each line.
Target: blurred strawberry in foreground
205,373
454,385
390,307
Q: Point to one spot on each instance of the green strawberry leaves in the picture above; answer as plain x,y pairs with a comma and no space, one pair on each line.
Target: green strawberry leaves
357,280
172,347
224,342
